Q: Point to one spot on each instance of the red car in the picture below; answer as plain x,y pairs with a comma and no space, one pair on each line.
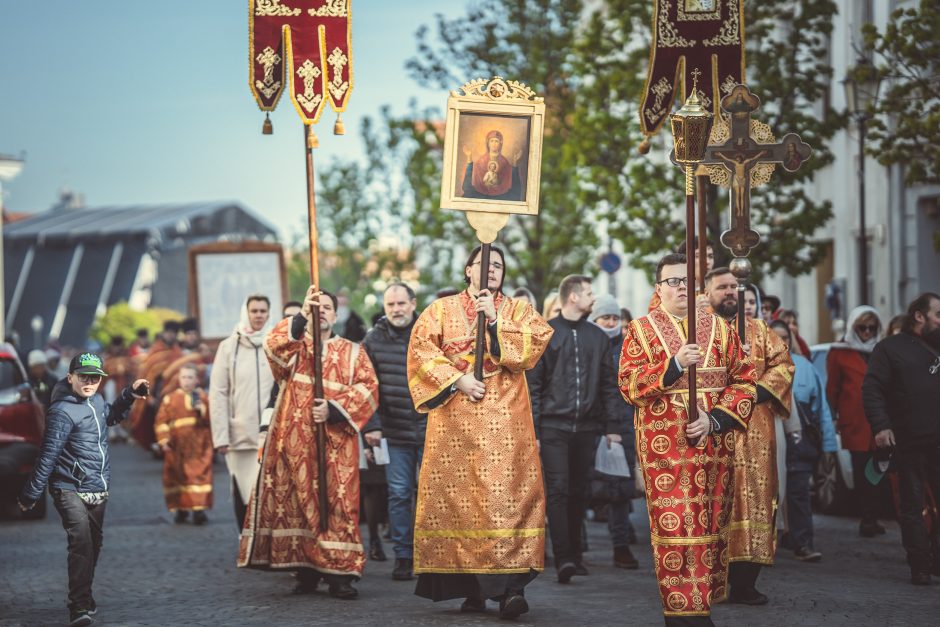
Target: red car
21,427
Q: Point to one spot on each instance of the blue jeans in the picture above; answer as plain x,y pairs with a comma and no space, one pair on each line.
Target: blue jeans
404,463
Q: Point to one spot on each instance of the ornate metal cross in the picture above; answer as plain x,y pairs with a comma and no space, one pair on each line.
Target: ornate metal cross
739,155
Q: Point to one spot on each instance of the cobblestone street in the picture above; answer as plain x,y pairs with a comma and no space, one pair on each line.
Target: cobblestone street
154,572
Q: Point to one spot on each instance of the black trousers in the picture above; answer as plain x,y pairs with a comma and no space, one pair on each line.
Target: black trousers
566,462
917,467
799,504
742,575
867,496
84,527
241,508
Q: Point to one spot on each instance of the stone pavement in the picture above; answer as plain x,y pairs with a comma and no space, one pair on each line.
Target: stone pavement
154,572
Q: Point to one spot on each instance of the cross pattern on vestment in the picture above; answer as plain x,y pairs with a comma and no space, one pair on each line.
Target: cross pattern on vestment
739,154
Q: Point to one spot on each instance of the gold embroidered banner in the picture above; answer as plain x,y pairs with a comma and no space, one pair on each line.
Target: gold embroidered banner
689,35
306,44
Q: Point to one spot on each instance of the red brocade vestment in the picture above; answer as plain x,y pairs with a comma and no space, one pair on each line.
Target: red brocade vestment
688,489
282,528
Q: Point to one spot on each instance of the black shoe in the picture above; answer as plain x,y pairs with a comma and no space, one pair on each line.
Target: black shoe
870,528
920,579
343,590
513,606
580,569
306,582
403,568
747,596
623,558
200,518
566,571
182,516
376,552
472,605
79,617
806,554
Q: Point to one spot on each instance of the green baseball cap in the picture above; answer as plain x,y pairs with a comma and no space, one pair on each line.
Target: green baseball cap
86,363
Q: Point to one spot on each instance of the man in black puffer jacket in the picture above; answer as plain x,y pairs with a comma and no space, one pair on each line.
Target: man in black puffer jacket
574,395
396,419
73,460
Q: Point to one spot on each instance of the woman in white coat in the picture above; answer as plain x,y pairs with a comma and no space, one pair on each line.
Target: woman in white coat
239,388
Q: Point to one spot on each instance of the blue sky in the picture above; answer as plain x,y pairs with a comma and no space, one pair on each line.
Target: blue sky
148,102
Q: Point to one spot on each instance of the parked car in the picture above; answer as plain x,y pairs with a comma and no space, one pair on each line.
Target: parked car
833,481
21,427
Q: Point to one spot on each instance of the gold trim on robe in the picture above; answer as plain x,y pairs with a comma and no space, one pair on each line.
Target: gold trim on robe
187,465
481,505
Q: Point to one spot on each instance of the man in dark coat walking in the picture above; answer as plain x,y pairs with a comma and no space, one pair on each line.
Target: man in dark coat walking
396,419
901,393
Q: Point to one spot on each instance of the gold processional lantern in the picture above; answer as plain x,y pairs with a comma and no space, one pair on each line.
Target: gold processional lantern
691,128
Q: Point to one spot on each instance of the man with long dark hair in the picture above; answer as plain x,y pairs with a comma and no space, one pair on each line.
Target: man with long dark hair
480,522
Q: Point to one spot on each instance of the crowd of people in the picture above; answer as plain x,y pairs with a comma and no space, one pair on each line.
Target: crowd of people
472,470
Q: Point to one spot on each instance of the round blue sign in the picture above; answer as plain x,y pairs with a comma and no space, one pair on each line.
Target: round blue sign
610,263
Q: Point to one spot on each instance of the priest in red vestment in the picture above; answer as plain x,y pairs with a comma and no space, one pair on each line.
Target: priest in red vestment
686,460
282,528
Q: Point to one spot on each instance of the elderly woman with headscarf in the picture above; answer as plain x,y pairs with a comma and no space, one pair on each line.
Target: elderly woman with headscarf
239,389
846,365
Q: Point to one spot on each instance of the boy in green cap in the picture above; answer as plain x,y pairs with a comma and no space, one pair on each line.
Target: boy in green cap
73,460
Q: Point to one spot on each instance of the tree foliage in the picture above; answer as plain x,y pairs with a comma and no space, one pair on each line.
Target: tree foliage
589,62
119,320
907,125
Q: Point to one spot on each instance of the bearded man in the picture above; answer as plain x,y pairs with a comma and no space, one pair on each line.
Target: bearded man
753,535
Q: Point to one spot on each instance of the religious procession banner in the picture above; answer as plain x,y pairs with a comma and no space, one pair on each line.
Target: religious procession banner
688,36
303,44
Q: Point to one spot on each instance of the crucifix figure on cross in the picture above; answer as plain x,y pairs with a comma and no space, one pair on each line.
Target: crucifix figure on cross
739,155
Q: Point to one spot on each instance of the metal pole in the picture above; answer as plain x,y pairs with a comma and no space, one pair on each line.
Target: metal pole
324,502
481,317
862,235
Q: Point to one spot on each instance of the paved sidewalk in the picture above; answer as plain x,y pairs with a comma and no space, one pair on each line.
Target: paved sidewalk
154,572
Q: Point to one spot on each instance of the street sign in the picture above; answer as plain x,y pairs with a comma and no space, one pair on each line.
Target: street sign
610,262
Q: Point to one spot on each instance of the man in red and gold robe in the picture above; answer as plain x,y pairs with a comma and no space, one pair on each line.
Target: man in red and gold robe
183,432
282,528
480,518
752,534
686,460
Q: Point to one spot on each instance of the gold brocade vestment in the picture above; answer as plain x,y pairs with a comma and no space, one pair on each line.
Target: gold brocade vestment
688,489
282,527
481,504
752,535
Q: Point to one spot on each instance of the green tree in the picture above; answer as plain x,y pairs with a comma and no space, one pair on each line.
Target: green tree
119,320
351,218
588,60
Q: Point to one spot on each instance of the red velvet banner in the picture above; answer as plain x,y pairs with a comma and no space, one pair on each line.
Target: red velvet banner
310,42
690,35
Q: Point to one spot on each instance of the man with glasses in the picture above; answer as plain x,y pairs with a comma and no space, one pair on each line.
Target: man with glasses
686,457
73,460
901,393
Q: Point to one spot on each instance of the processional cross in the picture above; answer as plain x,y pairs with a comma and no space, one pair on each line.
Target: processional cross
740,154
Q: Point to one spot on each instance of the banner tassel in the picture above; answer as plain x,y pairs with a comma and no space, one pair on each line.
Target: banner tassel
267,128
312,141
339,128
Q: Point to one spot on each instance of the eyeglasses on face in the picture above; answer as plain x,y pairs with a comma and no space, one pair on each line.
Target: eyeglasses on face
496,266
675,281
89,378
863,328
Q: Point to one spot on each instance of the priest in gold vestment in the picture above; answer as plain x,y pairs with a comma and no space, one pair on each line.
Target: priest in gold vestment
282,527
752,533
480,517
686,460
